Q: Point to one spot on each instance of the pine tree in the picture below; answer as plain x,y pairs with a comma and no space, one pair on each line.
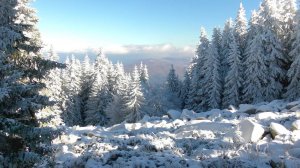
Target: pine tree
287,26
212,78
71,89
273,52
86,82
240,28
116,109
173,82
53,84
22,67
185,89
225,48
135,98
144,76
196,93
294,71
99,97
256,70
233,79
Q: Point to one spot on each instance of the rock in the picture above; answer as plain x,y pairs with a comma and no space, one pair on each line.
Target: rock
191,122
278,104
146,118
126,127
232,108
187,114
295,152
295,137
264,108
278,129
298,115
178,123
173,114
247,108
251,132
266,116
296,125
292,104
295,108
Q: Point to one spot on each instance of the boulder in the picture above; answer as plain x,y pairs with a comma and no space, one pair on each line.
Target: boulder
266,116
173,114
292,104
251,131
247,108
188,114
296,125
278,129
295,152
295,108
264,108
298,115
146,118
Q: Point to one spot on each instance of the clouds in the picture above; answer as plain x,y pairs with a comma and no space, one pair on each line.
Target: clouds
151,51
76,46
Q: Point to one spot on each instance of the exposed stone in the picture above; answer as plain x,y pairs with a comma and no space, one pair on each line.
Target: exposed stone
251,132
278,129
247,108
296,125
173,114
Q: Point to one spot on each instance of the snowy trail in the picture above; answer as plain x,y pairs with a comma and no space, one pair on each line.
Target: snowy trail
213,138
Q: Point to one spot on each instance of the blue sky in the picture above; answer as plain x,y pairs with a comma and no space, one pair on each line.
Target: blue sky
79,24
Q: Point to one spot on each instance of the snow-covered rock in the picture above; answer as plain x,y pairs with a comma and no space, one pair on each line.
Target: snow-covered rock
278,129
266,116
251,132
187,114
295,152
295,137
264,108
173,114
146,118
292,104
247,108
296,125
126,127
295,108
298,115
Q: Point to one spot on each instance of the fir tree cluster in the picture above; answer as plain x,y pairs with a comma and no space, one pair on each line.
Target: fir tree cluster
98,93
247,62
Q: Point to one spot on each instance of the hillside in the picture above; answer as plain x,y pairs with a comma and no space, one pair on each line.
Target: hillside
263,135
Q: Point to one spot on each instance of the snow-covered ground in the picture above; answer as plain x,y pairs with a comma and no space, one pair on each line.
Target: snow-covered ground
264,135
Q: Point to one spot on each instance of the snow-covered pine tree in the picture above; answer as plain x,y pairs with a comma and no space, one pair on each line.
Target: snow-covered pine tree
293,91
116,109
144,76
196,98
224,65
287,12
173,84
185,89
274,59
86,82
53,82
22,67
135,98
99,97
71,89
287,26
212,78
240,29
233,79
256,70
